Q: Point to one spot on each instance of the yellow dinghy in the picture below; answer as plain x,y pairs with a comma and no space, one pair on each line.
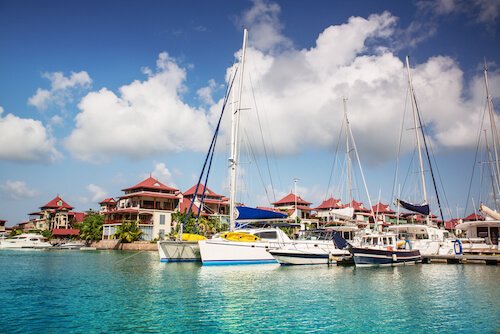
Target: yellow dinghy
191,237
239,236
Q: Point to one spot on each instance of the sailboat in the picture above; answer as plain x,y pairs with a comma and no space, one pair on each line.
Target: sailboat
241,245
386,249
483,235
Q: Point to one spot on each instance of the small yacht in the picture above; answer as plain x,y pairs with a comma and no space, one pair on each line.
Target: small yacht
315,247
383,249
429,240
28,240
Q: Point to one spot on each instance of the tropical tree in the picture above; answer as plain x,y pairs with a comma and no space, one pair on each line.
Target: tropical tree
47,234
14,232
91,227
128,231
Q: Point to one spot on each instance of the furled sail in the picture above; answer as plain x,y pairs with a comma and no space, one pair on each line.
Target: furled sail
342,213
423,209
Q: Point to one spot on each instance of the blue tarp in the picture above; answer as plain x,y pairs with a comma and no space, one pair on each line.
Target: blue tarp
423,209
247,213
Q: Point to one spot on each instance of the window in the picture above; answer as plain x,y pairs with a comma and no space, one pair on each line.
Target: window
267,235
162,219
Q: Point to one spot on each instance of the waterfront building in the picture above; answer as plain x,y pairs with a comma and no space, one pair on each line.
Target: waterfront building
214,205
2,226
107,205
150,203
324,210
384,214
57,216
297,208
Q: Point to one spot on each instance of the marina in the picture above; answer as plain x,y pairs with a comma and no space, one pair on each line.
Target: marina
129,292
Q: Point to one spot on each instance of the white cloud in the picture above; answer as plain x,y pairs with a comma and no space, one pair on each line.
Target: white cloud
97,194
163,174
205,93
300,92
263,20
61,90
18,190
481,11
25,139
147,117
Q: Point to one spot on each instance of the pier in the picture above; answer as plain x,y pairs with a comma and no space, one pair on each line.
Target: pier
462,259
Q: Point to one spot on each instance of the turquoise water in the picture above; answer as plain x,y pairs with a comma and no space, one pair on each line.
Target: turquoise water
130,292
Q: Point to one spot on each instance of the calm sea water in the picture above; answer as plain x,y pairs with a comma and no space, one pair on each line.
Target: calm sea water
130,292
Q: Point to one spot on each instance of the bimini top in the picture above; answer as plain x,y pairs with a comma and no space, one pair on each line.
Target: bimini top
246,213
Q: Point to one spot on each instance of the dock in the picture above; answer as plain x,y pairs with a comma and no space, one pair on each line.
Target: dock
462,259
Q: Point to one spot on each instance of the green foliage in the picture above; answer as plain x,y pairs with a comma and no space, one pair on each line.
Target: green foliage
14,232
206,226
47,234
91,227
128,231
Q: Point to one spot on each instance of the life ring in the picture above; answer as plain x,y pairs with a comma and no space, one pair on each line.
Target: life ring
408,243
460,248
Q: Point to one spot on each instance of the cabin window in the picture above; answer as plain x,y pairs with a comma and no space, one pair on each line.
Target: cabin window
267,235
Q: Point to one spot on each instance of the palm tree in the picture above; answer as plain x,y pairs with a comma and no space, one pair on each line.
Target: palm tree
128,231
91,227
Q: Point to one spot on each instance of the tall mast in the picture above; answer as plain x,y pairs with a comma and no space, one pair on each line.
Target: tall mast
417,126
494,133
348,153
235,119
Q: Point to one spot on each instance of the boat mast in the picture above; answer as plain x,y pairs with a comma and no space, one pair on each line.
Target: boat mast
417,126
349,134
494,133
235,120
348,153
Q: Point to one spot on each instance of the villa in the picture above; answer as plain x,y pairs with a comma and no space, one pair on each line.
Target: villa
214,205
150,203
296,208
57,216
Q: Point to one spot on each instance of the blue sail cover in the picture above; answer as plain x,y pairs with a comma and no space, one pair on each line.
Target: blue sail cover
247,213
423,209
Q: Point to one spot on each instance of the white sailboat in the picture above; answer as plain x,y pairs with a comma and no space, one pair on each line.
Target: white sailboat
482,236
428,238
240,246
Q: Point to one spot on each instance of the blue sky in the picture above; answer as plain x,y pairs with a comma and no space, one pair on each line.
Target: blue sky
96,95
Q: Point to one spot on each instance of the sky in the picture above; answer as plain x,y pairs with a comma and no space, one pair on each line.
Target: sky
95,96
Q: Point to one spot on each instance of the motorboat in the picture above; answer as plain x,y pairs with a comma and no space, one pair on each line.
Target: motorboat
429,240
27,240
315,247
383,249
479,237
71,245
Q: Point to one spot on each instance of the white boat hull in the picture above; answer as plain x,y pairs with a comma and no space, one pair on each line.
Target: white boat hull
179,251
223,252
307,256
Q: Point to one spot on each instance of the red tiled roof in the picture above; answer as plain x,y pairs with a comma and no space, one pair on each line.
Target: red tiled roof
201,189
57,203
109,200
150,183
184,207
290,199
450,224
357,206
382,208
473,216
65,231
150,194
79,216
331,203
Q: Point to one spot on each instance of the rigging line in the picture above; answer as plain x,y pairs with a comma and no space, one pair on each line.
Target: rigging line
428,157
335,160
212,147
252,153
396,173
490,165
262,137
479,134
